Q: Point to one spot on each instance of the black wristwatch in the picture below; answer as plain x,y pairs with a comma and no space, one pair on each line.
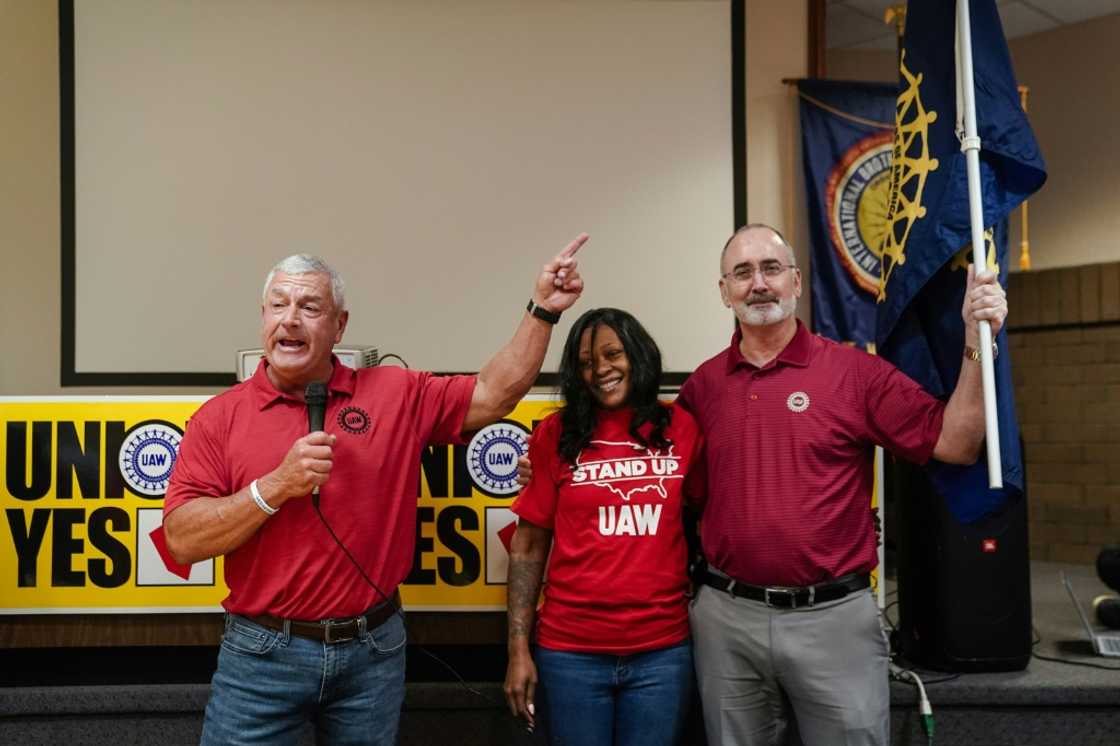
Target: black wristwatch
542,313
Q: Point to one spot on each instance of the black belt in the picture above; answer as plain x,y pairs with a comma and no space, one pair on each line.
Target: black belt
334,630
785,597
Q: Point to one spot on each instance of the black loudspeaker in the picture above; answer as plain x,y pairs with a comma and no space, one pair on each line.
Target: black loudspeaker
964,590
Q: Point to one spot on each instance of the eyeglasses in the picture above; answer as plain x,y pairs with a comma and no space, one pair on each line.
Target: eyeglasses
745,272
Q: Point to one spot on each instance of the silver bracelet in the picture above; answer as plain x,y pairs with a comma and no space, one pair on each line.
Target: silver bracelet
260,500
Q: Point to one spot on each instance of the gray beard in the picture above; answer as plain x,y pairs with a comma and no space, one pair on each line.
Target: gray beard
765,314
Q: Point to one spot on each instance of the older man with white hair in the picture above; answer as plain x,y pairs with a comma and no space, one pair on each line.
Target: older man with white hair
313,625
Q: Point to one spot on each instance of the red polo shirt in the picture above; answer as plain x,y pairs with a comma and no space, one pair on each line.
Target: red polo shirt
789,455
291,567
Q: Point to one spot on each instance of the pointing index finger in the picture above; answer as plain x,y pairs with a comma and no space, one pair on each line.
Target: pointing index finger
571,249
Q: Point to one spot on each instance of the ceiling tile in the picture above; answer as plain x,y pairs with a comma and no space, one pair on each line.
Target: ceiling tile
1019,19
857,24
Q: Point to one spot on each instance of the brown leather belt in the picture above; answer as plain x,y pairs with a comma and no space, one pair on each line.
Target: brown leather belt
334,630
784,597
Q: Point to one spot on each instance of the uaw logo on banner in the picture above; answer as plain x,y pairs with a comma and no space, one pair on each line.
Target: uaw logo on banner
494,451
146,459
148,455
857,197
83,518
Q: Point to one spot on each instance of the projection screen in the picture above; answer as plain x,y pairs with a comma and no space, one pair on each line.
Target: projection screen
436,153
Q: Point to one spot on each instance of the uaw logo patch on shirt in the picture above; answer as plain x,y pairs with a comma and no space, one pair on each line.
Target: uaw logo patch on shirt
354,420
627,476
857,198
492,457
147,456
798,401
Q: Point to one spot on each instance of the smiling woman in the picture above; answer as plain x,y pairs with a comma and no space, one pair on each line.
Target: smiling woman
604,366
606,497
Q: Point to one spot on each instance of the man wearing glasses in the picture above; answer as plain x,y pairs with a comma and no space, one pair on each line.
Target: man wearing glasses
783,613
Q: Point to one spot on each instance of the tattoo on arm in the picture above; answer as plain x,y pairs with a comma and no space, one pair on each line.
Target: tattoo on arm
524,588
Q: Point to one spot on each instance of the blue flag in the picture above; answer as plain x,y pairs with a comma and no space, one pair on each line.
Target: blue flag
919,325
847,134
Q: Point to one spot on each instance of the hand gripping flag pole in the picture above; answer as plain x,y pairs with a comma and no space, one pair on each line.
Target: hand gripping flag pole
970,145
933,212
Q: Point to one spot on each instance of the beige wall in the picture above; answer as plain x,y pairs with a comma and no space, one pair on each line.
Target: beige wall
853,64
1073,80
777,48
29,189
30,223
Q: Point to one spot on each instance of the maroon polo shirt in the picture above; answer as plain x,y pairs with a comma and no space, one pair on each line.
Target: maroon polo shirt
789,453
291,567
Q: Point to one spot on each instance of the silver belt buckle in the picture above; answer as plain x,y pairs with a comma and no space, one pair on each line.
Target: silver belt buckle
767,592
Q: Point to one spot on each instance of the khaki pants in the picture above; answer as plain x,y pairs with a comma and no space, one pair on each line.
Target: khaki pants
828,661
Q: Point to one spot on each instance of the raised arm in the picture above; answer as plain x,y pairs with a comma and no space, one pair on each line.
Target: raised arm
527,555
507,376
962,429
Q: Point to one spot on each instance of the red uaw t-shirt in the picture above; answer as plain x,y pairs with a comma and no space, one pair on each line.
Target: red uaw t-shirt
382,419
616,577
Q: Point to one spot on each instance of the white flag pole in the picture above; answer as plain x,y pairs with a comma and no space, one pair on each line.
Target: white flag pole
970,144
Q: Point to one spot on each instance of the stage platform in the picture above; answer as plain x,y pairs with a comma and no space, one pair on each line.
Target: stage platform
1048,704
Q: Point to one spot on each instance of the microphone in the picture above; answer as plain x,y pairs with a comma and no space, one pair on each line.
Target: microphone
316,397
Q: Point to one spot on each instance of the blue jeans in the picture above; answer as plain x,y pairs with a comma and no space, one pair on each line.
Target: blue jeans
269,685
593,699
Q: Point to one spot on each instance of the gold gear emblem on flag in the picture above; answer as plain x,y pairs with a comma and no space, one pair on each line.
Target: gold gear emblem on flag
909,169
963,258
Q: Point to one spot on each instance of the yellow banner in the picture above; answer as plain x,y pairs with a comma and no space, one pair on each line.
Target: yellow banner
83,498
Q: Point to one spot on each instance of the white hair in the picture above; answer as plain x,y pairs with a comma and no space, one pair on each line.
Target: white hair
306,264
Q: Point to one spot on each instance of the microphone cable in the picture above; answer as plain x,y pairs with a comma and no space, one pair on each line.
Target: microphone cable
400,612
906,675
385,598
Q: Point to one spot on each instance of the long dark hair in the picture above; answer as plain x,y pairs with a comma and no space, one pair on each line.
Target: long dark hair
578,416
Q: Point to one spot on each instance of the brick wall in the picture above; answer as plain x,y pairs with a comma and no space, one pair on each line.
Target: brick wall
1064,335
